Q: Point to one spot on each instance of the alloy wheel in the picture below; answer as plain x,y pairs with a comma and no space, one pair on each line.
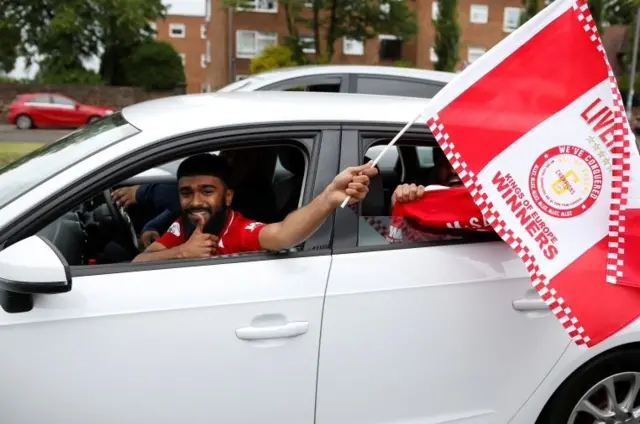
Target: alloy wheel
23,122
613,400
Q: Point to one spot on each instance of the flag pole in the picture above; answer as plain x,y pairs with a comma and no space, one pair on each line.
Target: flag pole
391,143
634,61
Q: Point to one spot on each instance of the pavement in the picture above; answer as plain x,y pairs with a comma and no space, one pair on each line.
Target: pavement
9,133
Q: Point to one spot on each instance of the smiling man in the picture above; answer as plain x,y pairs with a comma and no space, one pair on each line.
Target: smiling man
208,226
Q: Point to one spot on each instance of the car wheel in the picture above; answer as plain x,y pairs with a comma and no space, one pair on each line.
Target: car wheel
24,122
604,391
93,119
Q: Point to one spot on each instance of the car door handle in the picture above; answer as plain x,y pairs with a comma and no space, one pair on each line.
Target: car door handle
530,305
291,329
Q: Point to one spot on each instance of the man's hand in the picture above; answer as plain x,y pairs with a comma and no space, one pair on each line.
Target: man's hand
407,193
125,196
353,182
149,237
200,244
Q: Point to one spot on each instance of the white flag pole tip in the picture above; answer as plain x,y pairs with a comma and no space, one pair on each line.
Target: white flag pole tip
387,147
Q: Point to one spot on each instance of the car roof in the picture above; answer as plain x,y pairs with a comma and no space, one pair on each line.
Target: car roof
269,77
187,113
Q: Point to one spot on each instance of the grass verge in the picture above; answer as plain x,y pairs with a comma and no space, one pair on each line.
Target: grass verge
10,151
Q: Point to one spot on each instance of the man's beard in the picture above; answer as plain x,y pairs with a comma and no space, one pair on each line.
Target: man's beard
214,224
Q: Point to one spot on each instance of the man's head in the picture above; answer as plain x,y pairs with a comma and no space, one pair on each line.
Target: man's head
444,171
204,191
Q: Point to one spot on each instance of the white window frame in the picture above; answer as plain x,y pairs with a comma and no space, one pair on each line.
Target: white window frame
352,47
432,55
203,60
154,27
183,57
435,10
311,40
481,9
178,26
257,35
473,51
205,88
505,22
203,31
256,6
241,77
207,11
208,51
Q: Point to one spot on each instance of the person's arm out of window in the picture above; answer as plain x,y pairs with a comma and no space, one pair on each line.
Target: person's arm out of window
158,225
300,224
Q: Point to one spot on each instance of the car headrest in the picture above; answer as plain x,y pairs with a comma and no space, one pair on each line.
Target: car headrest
292,160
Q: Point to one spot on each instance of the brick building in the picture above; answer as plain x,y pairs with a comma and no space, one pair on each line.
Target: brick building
218,47
188,35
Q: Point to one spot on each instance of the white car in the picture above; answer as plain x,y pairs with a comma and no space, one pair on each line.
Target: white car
346,328
363,79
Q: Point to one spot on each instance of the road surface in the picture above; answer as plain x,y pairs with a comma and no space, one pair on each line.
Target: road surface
9,133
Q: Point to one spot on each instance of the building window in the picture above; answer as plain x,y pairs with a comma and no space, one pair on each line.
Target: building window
433,55
385,8
390,47
177,31
352,47
434,10
203,31
154,29
511,19
240,77
203,60
251,43
207,13
475,53
208,51
479,14
308,44
183,57
205,88
267,6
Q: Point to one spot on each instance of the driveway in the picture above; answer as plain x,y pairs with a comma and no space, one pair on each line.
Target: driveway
9,133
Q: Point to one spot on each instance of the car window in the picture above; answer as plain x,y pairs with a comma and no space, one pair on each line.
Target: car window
397,87
324,84
38,166
377,226
40,100
59,100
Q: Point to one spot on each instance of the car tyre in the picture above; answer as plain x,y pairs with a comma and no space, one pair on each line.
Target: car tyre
92,119
616,372
24,122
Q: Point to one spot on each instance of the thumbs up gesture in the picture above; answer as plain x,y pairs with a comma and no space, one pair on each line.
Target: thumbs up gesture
200,244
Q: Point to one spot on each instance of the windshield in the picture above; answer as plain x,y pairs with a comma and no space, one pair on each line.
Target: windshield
38,166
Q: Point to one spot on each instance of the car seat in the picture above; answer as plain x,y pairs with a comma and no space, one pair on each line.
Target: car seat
288,189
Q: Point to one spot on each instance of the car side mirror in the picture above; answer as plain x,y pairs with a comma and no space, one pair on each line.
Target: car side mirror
34,266
77,106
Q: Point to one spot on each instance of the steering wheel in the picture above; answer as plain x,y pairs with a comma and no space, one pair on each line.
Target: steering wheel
122,219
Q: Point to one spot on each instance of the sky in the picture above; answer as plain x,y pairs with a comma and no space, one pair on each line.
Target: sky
176,7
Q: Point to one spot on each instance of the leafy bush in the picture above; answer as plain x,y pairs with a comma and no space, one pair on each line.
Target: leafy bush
155,65
72,76
272,57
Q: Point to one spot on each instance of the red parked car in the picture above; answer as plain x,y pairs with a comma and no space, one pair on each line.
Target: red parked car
52,110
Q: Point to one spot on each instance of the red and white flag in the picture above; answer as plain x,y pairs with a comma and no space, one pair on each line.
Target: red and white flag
537,132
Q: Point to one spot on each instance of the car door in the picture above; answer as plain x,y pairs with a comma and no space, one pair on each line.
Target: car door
41,110
441,331
66,113
226,340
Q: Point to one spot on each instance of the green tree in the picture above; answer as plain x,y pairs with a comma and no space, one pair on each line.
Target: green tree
272,57
531,8
68,31
596,7
53,72
155,65
620,12
447,36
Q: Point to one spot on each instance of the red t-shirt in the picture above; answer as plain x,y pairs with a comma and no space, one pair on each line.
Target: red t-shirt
238,235
432,217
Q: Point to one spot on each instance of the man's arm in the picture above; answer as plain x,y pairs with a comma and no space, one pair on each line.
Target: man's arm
161,222
158,252
300,224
